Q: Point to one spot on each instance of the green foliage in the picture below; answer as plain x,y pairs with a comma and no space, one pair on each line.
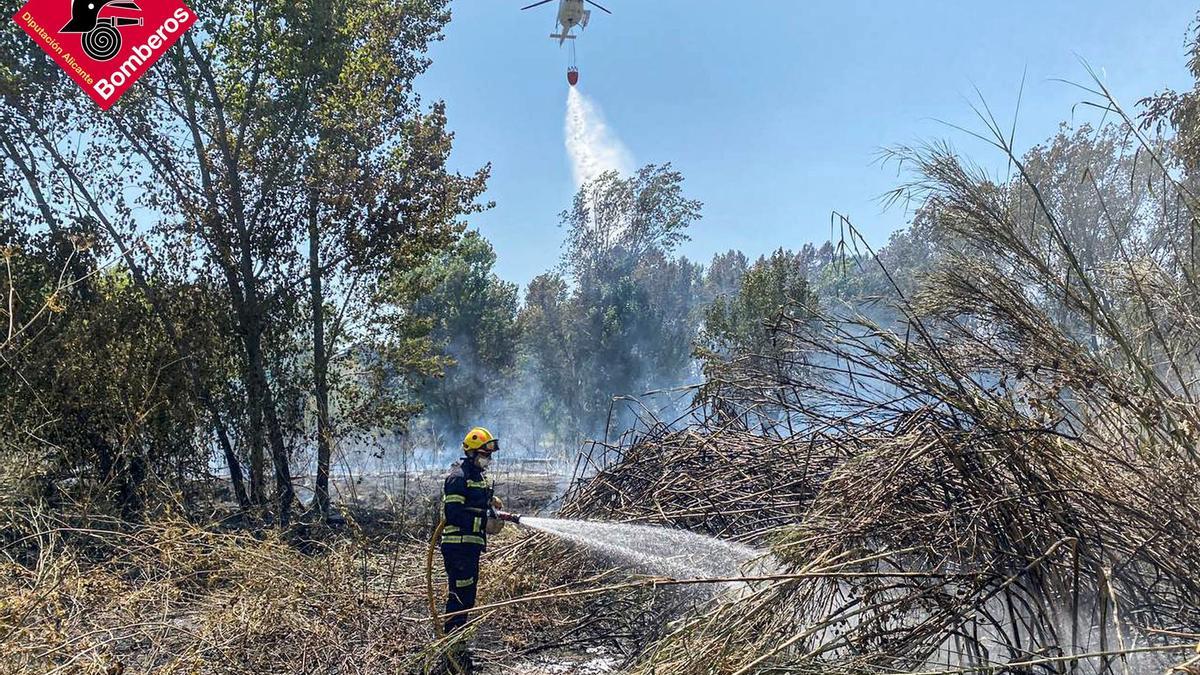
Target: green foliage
94,391
473,314
723,276
550,374
773,288
622,319
614,222
1179,111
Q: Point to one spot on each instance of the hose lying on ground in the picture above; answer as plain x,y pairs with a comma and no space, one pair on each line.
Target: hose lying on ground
434,615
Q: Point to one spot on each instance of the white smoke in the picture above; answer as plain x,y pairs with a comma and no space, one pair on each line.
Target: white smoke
592,148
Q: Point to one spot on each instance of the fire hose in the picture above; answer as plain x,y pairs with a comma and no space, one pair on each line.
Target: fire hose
434,615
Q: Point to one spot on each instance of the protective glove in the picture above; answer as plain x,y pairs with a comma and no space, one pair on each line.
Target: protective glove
497,504
494,525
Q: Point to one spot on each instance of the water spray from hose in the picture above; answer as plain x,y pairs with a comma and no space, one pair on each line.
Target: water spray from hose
657,550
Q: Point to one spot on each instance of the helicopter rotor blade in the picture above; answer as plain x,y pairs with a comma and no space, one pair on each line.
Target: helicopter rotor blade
596,4
534,5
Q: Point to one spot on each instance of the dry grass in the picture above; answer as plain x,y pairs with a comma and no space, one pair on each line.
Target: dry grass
170,596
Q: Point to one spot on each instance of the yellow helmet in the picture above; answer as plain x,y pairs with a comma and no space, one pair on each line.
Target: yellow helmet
480,440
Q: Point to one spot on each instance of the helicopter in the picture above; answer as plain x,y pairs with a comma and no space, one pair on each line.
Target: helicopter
571,13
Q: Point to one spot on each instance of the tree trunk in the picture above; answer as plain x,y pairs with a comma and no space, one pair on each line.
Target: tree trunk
320,365
261,401
258,494
284,492
235,467
262,409
243,287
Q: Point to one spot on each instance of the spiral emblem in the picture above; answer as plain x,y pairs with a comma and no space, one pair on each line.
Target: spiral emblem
102,42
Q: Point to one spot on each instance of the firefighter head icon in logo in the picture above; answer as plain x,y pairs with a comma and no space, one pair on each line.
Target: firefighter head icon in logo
101,37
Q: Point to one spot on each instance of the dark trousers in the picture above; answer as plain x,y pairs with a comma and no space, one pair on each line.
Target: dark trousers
462,574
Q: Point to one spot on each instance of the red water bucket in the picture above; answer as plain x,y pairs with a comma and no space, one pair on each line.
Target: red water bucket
573,76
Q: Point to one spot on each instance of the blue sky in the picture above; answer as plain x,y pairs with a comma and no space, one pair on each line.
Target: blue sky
774,110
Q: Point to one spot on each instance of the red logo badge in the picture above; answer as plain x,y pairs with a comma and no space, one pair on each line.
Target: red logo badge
105,45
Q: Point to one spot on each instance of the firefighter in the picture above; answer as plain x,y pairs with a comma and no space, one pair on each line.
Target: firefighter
469,505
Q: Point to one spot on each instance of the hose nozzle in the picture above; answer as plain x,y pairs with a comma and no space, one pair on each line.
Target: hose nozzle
509,517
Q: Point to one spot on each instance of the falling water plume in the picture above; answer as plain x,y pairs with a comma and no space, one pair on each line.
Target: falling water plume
592,148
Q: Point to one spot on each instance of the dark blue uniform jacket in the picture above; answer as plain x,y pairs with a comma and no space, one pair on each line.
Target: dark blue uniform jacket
466,496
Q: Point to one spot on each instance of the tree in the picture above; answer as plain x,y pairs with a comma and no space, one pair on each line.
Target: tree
95,395
775,287
614,221
363,228
723,276
473,314
84,220
621,318
549,370
1180,112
